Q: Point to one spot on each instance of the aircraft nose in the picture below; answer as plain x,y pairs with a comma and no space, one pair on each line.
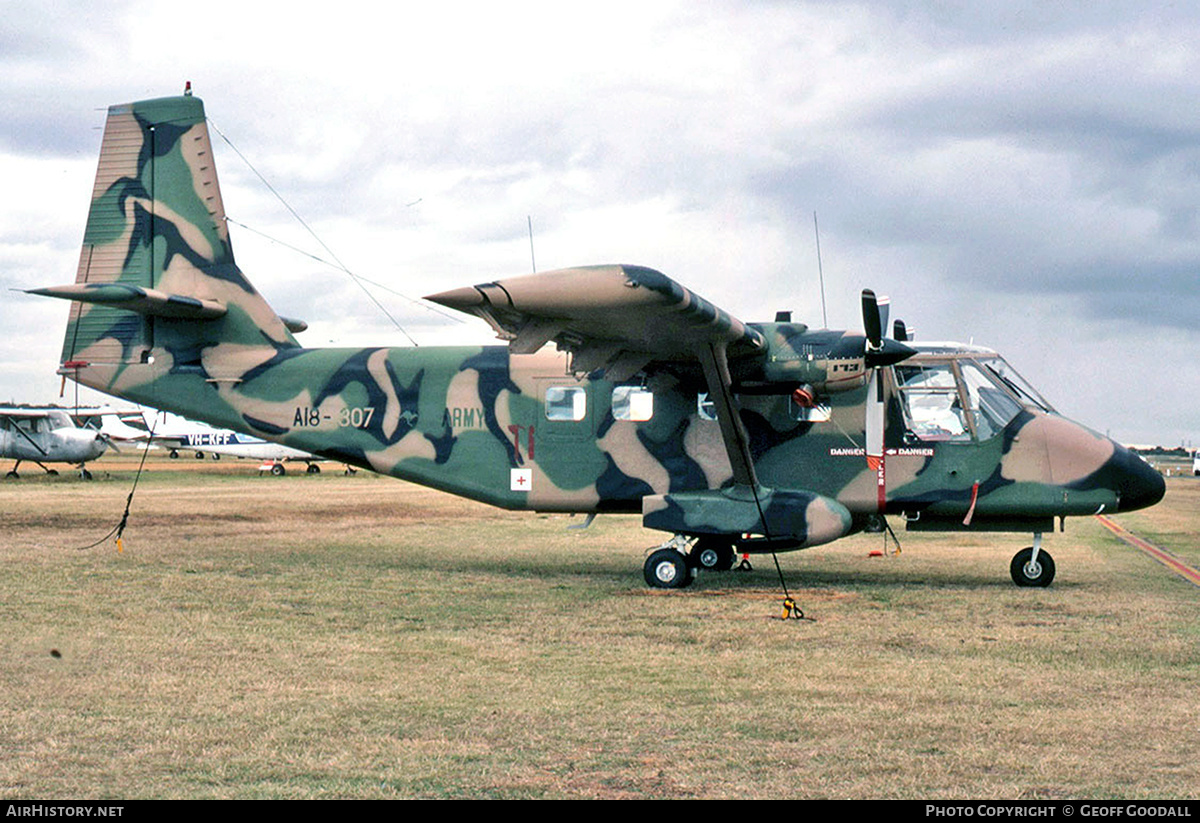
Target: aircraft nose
1137,482
99,445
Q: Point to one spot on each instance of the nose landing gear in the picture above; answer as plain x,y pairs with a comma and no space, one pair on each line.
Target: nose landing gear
1032,566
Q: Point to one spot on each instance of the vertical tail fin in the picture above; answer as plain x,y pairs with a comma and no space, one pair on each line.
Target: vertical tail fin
156,272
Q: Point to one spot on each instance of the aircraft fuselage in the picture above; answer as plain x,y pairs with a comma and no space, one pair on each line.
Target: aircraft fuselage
519,431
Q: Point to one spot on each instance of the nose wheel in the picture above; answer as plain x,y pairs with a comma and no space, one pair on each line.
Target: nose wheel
1032,567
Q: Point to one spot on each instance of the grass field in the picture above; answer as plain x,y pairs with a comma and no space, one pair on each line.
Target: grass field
333,636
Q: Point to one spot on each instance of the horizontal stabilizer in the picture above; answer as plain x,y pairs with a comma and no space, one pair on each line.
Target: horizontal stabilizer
137,299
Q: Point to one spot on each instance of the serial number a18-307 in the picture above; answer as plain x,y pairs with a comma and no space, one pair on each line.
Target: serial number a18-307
348,417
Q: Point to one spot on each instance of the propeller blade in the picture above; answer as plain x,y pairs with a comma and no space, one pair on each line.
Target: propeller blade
875,416
871,326
899,331
885,306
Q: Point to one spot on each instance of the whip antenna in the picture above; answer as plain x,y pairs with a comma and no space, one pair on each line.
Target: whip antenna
820,271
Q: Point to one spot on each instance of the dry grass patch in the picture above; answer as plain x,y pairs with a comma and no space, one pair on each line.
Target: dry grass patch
339,636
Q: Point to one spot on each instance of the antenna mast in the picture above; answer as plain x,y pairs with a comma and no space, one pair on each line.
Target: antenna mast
532,262
820,271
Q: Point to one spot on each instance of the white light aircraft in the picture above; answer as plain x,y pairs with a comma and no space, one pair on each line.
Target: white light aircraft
47,436
170,431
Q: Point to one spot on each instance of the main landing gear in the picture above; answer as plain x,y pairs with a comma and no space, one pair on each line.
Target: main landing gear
674,564
83,472
668,569
1032,566
712,554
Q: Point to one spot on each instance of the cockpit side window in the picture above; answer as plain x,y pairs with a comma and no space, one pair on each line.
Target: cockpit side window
990,404
932,406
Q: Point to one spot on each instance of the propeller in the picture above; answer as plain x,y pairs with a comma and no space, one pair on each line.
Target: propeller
872,325
879,352
108,440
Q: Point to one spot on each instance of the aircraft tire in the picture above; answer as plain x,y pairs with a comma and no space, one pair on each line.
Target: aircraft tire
174,455
278,470
85,474
1024,575
667,569
313,468
712,554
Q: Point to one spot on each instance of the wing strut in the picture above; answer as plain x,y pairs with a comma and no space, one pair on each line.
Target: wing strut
715,363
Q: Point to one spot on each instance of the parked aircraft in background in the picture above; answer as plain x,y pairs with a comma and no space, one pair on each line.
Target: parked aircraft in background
47,436
180,434
729,436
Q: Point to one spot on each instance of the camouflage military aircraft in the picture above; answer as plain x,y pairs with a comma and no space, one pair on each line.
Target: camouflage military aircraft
729,436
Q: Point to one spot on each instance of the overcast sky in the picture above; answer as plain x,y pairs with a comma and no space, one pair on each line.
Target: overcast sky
1024,176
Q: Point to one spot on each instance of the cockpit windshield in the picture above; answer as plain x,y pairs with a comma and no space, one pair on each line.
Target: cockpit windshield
961,396
1008,375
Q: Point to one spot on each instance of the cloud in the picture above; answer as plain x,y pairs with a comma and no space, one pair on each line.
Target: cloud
1022,173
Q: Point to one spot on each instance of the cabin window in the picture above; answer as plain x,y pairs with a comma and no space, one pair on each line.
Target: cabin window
632,403
932,405
30,425
566,403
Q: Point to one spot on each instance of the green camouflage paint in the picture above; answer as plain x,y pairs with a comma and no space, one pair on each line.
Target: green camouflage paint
162,315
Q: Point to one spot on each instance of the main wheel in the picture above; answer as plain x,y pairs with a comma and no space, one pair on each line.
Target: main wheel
667,569
1027,573
278,470
313,468
712,554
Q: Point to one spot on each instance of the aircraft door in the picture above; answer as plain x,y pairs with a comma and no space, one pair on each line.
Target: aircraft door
568,413
561,443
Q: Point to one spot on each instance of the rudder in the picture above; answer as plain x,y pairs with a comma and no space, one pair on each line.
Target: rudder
156,271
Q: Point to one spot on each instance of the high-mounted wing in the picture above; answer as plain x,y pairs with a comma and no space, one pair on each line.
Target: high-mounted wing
619,319
24,414
611,318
